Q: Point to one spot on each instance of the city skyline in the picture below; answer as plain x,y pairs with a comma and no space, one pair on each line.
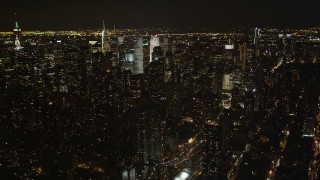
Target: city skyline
72,15
138,90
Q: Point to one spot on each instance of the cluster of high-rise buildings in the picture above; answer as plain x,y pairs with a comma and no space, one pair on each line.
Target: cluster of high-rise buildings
125,105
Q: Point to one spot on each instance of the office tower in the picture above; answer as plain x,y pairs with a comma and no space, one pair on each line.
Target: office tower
154,42
211,155
250,80
107,62
105,46
166,45
114,40
74,68
303,80
85,57
169,67
229,53
243,55
155,76
280,44
256,40
256,36
129,174
285,47
121,53
235,100
263,96
137,85
138,57
175,68
121,40
218,67
146,52
96,63
249,103
203,107
17,33
227,82
129,61
174,94
101,54
157,53
226,124
144,126
281,49
217,81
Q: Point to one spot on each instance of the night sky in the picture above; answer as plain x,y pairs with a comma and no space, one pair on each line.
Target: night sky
72,14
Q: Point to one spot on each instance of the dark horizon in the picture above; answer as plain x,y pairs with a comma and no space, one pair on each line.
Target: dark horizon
71,15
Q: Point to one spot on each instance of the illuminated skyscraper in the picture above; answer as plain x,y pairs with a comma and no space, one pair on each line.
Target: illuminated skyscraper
157,53
256,36
256,42
243,54
146,52
285,46
129,62
144,125
211,155
202,106
105,44
17,33
106,50
229,53
249,103
138,56
155,76
226,122
154,42
227,82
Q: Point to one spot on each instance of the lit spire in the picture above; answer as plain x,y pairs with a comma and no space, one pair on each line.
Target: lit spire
16,32
16,28
17,25
104,43
103,37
